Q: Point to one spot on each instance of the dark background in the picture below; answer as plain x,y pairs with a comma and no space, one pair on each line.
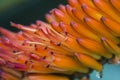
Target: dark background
26,11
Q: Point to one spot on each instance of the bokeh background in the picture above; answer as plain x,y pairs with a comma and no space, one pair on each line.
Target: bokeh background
25,11
28,11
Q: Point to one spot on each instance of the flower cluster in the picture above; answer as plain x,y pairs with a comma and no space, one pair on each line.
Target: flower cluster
78,38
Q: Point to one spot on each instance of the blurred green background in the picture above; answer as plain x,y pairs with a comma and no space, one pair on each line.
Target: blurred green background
25,11
28,11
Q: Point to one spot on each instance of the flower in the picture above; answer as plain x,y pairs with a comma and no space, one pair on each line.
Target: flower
77,39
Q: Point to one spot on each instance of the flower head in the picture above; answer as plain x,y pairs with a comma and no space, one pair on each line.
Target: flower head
77,38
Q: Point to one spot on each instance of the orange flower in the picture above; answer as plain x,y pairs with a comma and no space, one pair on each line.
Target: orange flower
76,39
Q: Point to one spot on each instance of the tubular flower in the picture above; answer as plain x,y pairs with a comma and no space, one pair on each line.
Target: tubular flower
78,38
